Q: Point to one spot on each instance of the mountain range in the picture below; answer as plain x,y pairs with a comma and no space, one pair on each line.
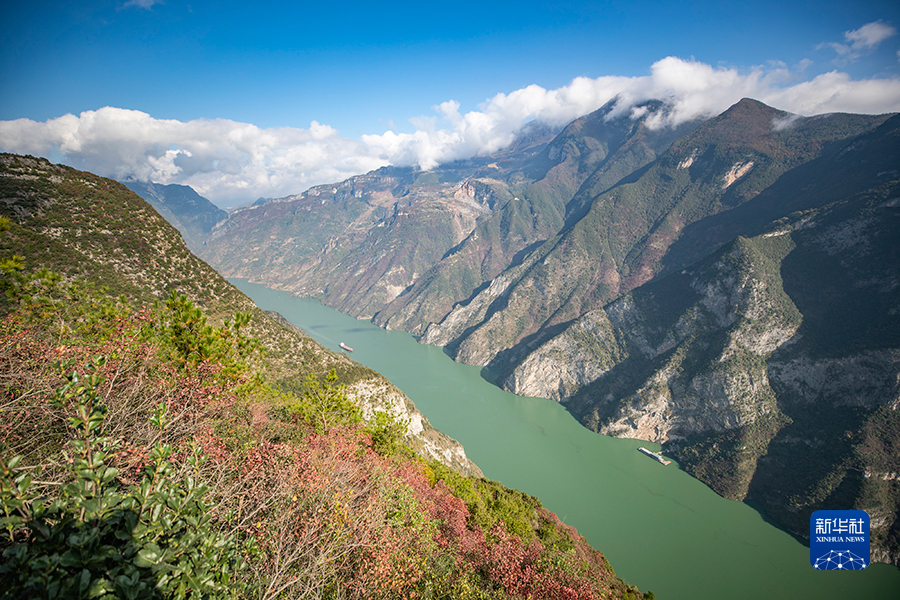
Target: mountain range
728,287
190,213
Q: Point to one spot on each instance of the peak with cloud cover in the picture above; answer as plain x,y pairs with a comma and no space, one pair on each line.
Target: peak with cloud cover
231,162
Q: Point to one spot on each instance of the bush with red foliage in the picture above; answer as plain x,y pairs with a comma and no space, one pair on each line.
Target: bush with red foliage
320,511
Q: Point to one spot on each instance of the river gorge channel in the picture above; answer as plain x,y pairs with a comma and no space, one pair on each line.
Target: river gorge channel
661,529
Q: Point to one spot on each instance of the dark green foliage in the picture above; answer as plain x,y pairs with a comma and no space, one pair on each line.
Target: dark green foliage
99,539
192,340
727,461
74,308
490,502
387,433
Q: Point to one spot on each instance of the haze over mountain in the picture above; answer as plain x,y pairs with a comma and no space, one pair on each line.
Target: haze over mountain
192,215
679,284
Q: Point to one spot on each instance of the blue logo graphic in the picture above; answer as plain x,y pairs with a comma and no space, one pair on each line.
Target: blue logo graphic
839,540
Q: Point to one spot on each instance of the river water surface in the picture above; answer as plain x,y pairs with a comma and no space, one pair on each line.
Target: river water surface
661,529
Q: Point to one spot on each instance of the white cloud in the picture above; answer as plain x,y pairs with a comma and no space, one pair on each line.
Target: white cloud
224,160
232,162
861,41
690,89
869,35
148,4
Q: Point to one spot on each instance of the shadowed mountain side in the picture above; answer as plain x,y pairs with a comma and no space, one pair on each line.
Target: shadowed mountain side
847,165
770,369
192,215
624,238
593,152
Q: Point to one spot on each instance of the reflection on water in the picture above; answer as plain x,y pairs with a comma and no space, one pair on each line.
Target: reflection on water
661,529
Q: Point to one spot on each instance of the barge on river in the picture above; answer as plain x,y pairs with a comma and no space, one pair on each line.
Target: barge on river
654,455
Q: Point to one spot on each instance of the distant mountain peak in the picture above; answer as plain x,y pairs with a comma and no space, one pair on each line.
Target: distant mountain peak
193,215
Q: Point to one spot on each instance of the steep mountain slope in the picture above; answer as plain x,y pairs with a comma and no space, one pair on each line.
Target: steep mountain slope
358,244
770,369
628,235
369,245
95,229
592,153
192,215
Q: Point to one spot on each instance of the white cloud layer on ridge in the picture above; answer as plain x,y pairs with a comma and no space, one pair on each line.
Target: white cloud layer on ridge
231,162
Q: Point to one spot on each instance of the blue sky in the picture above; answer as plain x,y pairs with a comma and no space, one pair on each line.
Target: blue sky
365,84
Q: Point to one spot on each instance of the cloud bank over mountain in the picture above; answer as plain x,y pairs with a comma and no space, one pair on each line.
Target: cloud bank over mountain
232,162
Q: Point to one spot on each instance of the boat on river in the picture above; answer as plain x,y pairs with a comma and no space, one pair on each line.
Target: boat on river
345,347
654,455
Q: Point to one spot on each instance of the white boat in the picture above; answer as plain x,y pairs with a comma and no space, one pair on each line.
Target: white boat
654,455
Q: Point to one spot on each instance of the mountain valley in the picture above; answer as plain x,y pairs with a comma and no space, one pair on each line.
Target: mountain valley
728,287
261,464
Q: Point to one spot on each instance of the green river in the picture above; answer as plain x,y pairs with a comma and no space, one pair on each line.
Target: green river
661,529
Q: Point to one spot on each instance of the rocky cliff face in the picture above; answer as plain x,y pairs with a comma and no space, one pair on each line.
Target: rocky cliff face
372,392
357,245
725,317
729,177
770,369
379,395
552,191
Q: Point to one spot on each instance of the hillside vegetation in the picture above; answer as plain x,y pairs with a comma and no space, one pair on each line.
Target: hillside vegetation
768,366
161,438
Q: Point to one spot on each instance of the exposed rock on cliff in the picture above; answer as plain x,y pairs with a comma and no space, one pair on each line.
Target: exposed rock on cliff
666,216
771,370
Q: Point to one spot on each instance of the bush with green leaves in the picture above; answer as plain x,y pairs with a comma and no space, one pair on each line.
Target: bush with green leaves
191,340
325,404
95,538
387,431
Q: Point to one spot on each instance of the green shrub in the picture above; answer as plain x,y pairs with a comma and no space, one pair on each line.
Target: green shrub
325,405
191,340
387,433
98,539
